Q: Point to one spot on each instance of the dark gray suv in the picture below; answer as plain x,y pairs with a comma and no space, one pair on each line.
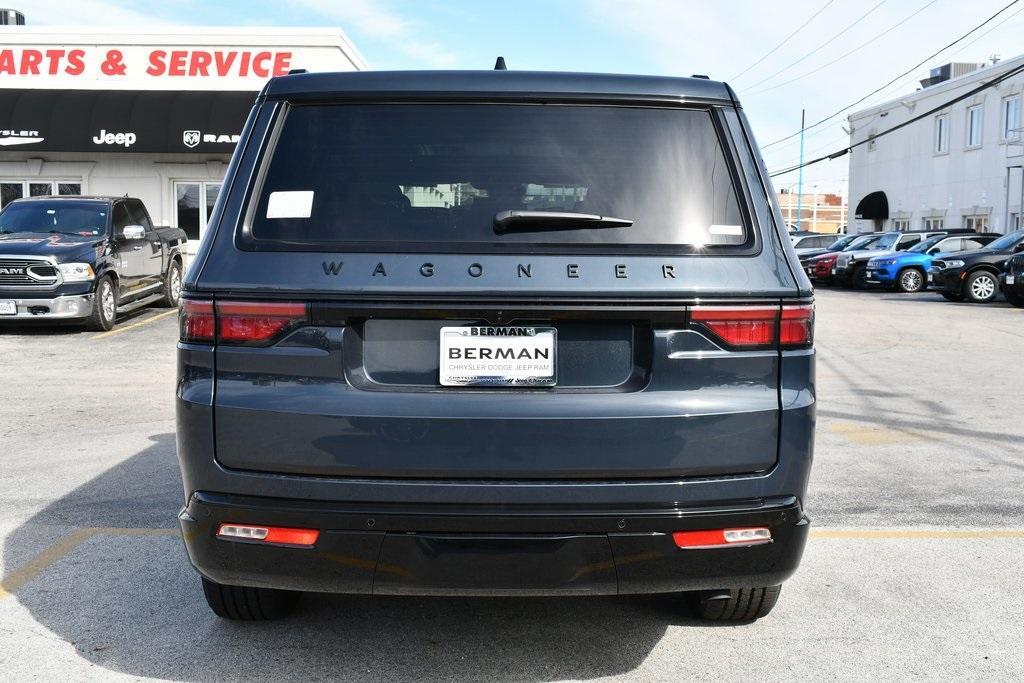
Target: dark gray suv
495,333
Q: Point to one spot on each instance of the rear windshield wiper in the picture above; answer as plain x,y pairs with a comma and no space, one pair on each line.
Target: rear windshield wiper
538,221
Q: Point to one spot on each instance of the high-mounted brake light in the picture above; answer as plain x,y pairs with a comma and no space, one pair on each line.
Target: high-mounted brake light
238,322
757,327
268,534
722,538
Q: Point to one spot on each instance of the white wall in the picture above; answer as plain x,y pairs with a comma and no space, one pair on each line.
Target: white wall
920,182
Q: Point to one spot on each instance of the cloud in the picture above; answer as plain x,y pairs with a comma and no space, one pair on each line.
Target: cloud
375,20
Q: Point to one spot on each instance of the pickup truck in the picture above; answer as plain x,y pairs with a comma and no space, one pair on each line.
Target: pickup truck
85,260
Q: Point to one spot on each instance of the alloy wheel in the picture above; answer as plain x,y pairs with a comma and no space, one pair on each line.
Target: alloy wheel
175,285
983,287
107,302
911,280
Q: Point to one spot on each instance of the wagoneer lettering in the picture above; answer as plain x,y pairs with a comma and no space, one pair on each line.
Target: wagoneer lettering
509,348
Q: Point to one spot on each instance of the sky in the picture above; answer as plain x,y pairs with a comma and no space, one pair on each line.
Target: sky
781,57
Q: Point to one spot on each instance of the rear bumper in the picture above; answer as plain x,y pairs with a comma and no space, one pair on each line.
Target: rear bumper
947,280
1012,284
490,550
63,307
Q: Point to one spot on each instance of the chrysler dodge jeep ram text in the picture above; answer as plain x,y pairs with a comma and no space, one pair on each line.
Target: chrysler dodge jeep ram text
495,333
84,259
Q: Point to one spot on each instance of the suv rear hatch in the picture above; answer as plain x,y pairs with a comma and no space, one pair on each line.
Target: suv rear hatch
377,243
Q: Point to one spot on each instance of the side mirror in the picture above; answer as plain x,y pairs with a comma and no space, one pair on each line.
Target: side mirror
133,232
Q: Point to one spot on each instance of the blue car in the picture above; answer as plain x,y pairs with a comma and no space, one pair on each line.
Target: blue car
907,270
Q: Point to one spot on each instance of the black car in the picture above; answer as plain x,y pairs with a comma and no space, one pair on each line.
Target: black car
974,275
1012,280
85,260
495,333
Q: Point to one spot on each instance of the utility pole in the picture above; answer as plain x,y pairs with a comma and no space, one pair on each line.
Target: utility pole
800,178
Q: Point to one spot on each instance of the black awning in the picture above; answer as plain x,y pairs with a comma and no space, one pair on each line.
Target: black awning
873,206
122,120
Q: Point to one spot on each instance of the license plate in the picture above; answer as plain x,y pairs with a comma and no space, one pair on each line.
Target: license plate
870,273
833,271
1010,279
931,278
8,308
497,356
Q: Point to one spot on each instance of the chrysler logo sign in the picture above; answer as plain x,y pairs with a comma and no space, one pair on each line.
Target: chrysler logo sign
190,138
19,137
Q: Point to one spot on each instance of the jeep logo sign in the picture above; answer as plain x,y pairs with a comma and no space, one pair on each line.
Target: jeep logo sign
190,138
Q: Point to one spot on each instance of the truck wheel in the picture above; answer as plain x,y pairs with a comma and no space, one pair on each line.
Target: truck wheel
248,604
104,306
981,287
172,286
910,280
743,604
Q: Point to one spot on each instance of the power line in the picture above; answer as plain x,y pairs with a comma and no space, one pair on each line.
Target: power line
784,40
911,69
970,93
846,54
825,44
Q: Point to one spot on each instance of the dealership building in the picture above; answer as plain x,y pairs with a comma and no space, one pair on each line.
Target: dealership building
959,166
150,112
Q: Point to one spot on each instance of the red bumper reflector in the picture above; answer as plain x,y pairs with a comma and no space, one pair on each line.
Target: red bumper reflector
268,534
722,538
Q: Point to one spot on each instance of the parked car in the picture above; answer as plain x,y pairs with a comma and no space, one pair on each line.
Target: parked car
907,271
839,243
819,267
974,275
380,392
85,260
812,240
851,266
1012,280
822,244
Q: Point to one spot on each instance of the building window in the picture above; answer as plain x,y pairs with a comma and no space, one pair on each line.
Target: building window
942,134
194,203
976,223
1011,118
16,189
901,224
974,115
934,223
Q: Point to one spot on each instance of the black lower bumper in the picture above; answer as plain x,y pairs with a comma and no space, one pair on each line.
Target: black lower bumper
492,550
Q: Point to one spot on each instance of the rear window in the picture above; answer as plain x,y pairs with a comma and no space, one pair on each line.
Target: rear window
435,176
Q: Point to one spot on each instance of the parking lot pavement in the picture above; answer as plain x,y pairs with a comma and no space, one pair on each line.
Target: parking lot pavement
913,569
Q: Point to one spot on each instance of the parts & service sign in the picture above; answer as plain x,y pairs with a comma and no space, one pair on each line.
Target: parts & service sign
143,66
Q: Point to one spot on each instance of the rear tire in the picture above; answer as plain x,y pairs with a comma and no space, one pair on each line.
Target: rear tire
981,287
860,278
172,286
242,603
104,306
743,604
910,281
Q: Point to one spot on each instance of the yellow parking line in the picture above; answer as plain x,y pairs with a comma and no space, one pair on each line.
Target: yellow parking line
38,564
119,330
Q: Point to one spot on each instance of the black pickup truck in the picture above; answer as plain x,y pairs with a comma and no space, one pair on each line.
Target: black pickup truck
85,259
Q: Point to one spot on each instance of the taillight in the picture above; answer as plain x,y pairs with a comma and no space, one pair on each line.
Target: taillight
722,538
757,327
195,321
269,534
238,322
796,326
247,322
